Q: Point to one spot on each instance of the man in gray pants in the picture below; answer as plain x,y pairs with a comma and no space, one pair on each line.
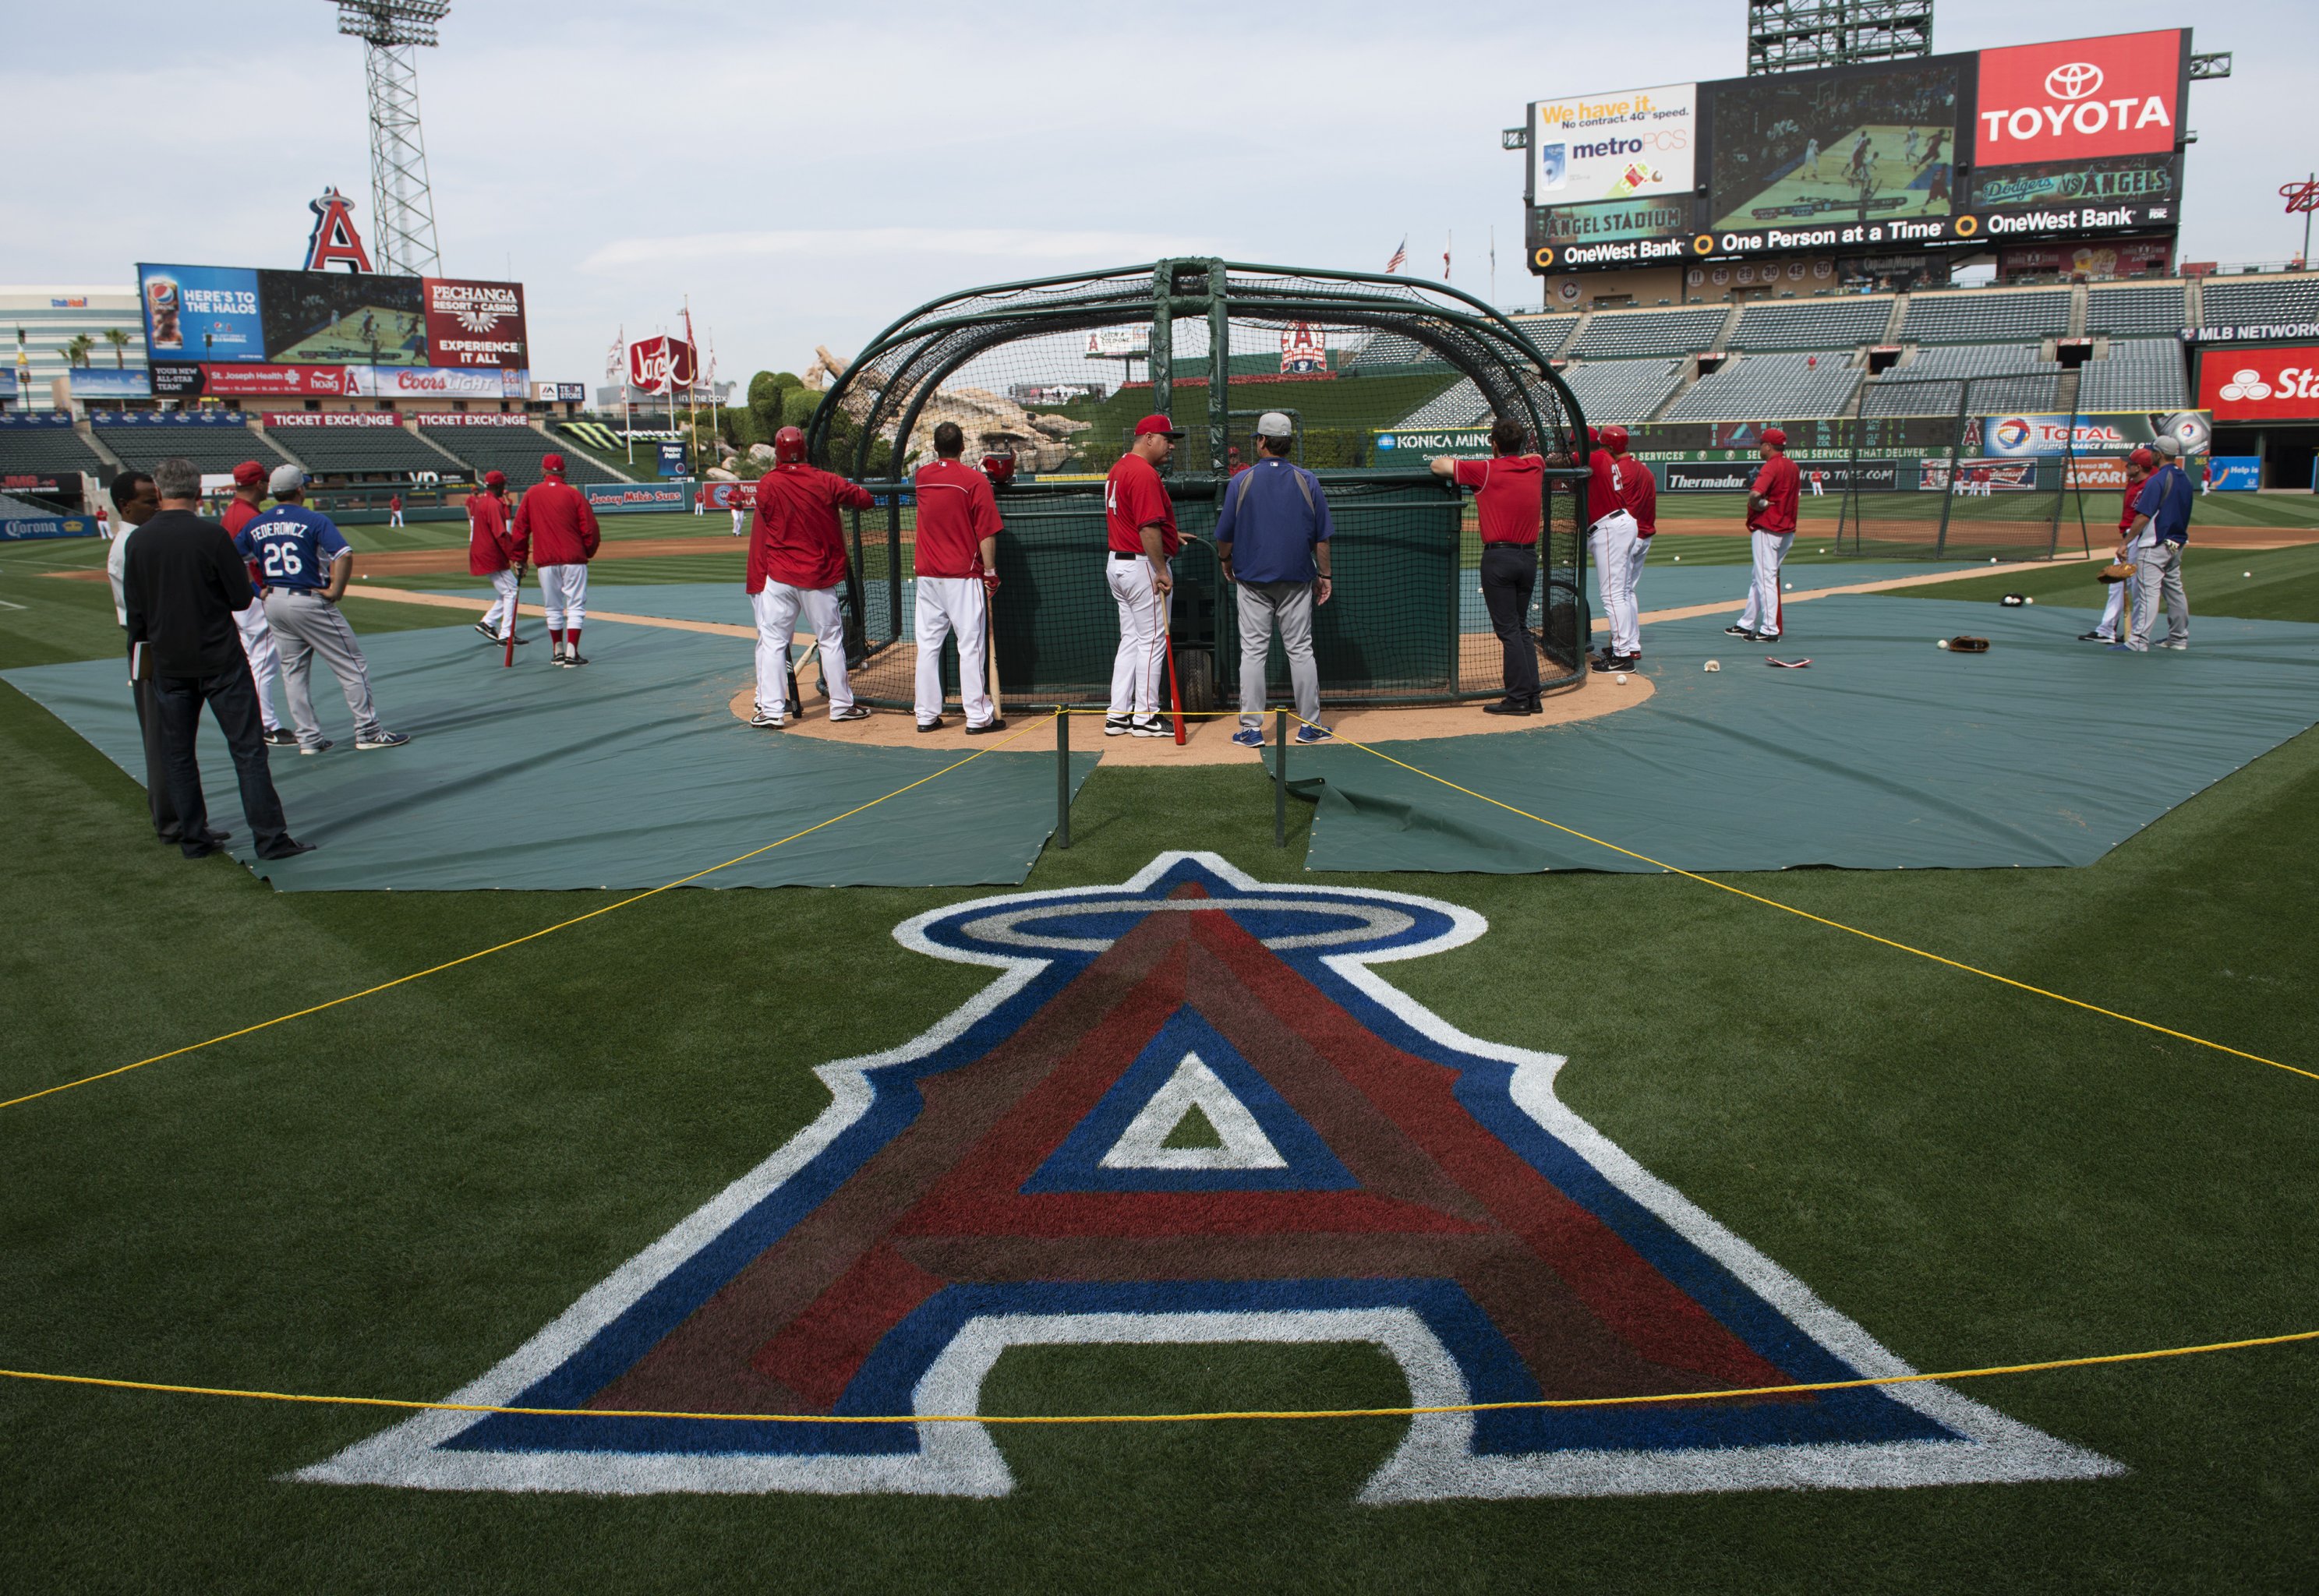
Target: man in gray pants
304,564
2161,529
1272,534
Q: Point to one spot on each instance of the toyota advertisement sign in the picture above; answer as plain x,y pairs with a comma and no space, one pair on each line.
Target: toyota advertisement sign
2275,385
2080,99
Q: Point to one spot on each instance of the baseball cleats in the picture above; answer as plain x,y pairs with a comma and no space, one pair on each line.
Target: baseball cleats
281,736
571,657
935,725
1147,725
382,738
324,746
997,722
489,635
767,719
2096,637
521,642
851,712
1607,662
1117,726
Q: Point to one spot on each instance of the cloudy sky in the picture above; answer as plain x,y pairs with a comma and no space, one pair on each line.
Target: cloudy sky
805,175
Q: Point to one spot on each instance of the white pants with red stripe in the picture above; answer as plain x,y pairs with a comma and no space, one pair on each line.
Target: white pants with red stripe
265,659
1611,547
1762,614
948,606
501,616
1143,613
563,596
779,607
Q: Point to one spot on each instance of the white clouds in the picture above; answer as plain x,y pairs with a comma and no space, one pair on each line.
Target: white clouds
976,243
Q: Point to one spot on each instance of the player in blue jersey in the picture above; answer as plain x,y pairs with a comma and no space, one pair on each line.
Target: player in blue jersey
304,564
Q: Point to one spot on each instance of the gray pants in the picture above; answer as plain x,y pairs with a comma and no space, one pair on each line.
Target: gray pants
2158,576
305,625
1288,605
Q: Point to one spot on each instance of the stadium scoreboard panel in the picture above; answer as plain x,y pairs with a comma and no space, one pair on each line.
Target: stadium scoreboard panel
2067,140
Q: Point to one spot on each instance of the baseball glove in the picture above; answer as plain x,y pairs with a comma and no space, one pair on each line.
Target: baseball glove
2014,600
1968,645
2118,571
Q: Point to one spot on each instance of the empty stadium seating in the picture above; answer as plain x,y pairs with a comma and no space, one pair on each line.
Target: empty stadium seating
361,451
1622,390
1628,334
1461,405
1973,318
1809,325
1550,333
1391,348
2140,307
1784,387
516,450
2140,374
212,448
1975,360
48,449
2248,301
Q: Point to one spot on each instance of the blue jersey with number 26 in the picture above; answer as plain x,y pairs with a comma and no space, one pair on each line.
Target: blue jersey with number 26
293,546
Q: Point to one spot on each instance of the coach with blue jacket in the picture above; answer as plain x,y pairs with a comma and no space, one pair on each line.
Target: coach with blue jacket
1272,534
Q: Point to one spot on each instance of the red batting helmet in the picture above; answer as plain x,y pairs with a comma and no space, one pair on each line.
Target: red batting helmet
1614,439
998,468
789,445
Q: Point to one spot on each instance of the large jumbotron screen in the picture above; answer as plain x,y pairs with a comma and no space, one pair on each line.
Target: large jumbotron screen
2073,138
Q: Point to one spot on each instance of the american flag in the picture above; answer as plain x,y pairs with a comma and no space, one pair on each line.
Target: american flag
1400,256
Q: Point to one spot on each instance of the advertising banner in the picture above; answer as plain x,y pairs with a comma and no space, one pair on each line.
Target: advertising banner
1462,442
2078,99
672,462
2094,472
24,527
732,495
620,498
335,317
1629,144
22,423
657,365
488,418
99,382
423,382
2018,435
329,418
1118,342
475,323
2234,473
179,419
2280,384
1732,476
2148,180
560,393
2115,259
173,380
1977,476
39,481
7,382
201,313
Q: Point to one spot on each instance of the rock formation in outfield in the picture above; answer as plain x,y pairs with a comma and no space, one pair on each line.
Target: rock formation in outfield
993,423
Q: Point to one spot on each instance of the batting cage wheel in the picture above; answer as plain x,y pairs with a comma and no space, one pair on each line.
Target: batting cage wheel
1047,371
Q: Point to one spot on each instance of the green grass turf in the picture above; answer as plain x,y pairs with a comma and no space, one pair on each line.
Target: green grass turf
2254,584
387,1198
2100,509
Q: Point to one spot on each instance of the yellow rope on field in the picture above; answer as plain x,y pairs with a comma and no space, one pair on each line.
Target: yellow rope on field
516,941
1660,1398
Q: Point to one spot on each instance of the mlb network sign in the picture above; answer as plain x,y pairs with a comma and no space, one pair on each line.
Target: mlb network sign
2261,384
2080,98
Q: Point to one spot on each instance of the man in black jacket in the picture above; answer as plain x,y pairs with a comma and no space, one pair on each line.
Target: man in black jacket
182,584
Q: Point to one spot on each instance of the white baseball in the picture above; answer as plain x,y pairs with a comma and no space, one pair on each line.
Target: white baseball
1944,643
1620,677
1714,665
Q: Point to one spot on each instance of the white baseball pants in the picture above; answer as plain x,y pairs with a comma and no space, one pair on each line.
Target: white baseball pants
265,659
953,605
1762,612
2113,610
777,608
563,596
501,616
1143,612
1611,547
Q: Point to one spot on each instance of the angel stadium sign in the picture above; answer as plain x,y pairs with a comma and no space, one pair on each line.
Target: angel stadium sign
1190,1110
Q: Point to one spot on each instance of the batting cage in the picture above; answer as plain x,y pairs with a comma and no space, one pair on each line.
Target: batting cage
1054,373
1946,468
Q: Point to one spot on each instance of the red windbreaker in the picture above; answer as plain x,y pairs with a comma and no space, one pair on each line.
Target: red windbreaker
492,545
557,521
795,537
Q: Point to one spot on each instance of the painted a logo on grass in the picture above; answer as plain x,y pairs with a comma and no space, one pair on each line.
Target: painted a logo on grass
1188,1109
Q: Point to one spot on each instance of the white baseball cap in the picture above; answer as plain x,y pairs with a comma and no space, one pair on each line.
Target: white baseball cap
1273,424
286,479
2171,447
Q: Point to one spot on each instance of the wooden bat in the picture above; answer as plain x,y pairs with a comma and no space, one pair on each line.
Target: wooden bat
990,649
513,598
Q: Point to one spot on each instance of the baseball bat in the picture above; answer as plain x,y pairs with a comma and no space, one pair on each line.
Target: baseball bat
1175,698
990,650
514,600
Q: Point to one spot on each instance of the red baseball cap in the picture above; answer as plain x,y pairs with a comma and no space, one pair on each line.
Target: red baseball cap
495,479
1593,435
554,463
1775,437
1157,425
1614,439
248,475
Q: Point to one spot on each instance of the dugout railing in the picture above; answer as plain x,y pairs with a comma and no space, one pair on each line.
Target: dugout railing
1930,472
1406,623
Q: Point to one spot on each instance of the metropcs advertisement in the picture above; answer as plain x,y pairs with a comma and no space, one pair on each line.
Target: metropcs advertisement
1605,167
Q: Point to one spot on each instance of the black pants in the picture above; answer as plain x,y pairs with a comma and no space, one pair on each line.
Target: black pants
232,698
1509,577
156,762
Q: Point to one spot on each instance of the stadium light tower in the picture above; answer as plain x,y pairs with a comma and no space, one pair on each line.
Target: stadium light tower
402,210
1794,35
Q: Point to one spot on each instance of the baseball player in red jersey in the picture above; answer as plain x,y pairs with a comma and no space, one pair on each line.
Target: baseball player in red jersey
1509,502
1610,543
2115,620
495,550
256,635
394,509
957,566
558,525
1139,521
1638,491
797,558
1772,501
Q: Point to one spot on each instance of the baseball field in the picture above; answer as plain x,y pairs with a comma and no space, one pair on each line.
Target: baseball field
1884,1087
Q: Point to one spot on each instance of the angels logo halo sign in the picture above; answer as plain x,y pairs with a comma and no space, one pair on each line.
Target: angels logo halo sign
1189,1109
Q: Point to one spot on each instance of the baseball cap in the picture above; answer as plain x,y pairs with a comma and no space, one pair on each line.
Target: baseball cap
495,479
1614,439
1159,425
554,463
2171,447
248,475
286,479
1775,436
1274,424
2144,458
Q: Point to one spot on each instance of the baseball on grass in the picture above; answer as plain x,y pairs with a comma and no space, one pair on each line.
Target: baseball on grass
1941,643
2246,574
2032,599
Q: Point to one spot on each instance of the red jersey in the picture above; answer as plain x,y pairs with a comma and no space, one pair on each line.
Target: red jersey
557,521
956,511
1603,493
491,545
1135,497
795,538
1638,491
2126,517
240,513
1780,484
396,502
1509,495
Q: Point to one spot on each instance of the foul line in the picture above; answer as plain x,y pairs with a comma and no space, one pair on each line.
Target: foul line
1660,1398
515,942
1820,919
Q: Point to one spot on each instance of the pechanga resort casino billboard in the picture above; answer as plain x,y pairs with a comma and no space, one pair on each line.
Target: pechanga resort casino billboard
2074,140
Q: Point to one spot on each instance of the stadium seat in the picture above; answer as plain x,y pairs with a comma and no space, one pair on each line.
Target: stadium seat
1807,327
1622,390
1627,335
212,448
48,450
1462,405
2147,307
1784,387
1550,333
2260,301
2140,374
1933,384
2003,317
516,450
365,451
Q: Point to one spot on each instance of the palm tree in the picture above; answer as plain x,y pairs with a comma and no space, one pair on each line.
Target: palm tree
120,342
77,349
